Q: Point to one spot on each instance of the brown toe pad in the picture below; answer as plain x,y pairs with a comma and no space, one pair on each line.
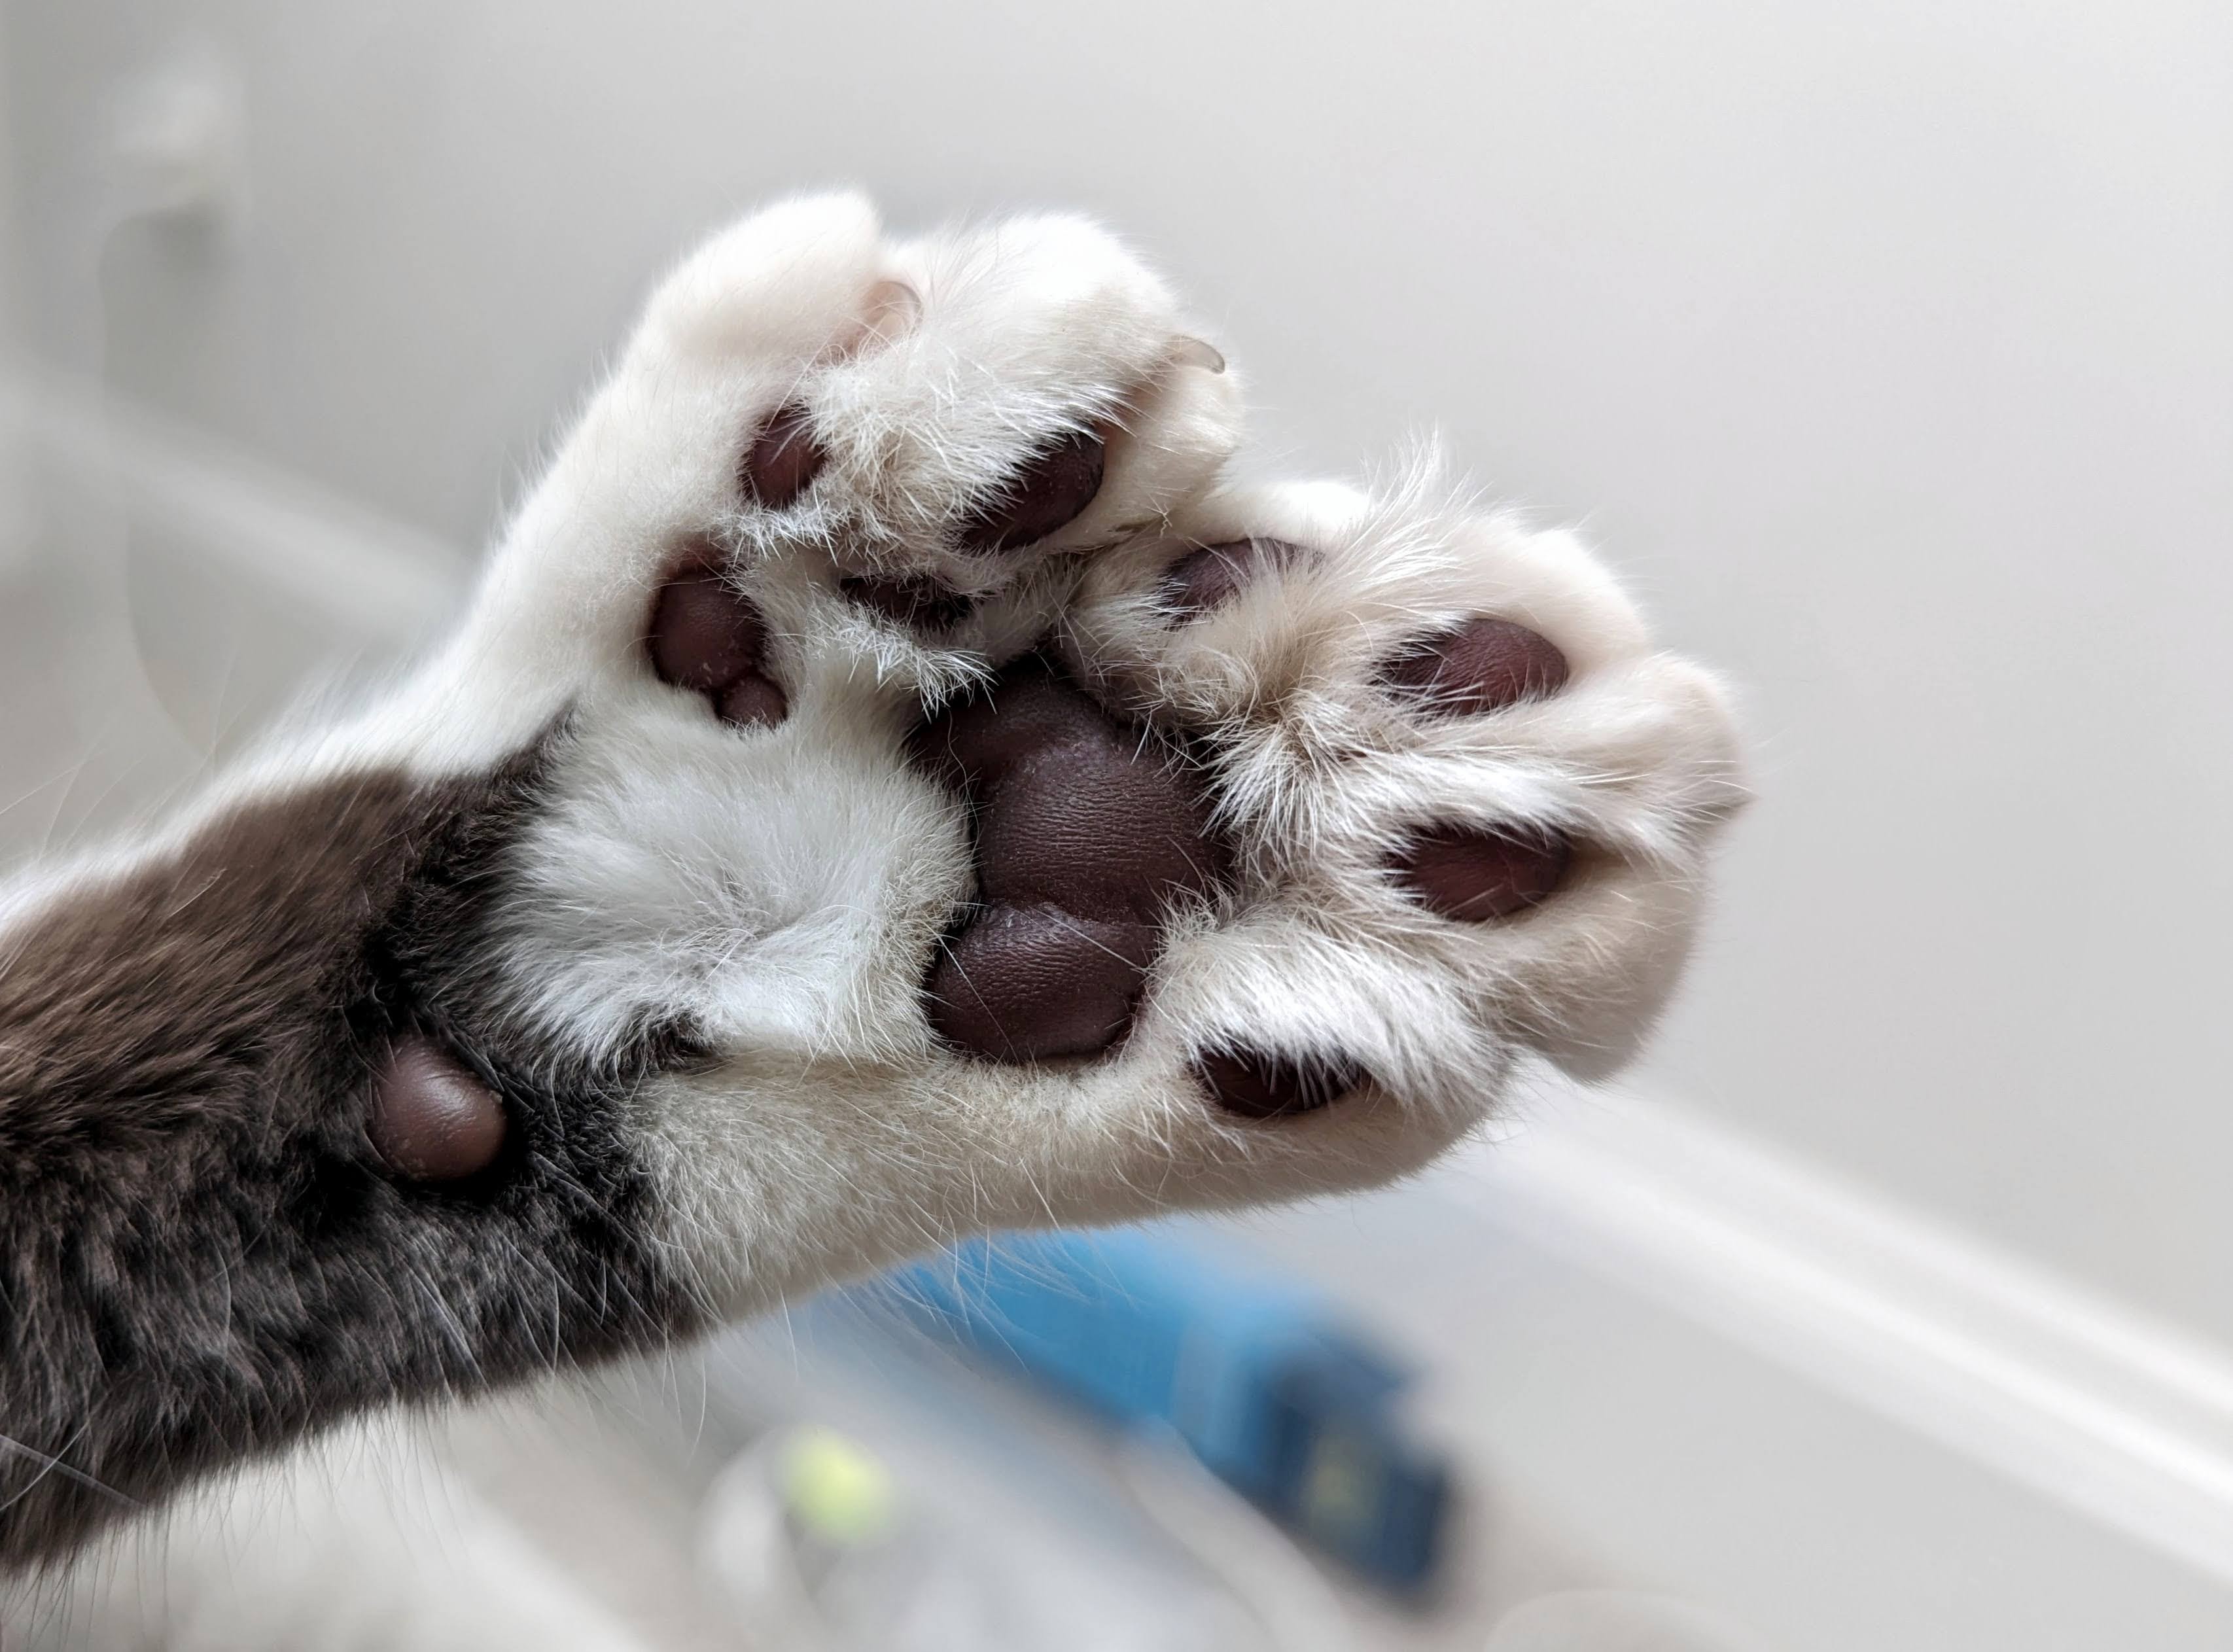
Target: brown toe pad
1049,491
1483,665
707,637
1260,1085
1470,873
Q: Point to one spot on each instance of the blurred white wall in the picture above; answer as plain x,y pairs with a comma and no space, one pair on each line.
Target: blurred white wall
1888,347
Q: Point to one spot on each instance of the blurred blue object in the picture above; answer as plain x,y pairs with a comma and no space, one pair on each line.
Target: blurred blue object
1287,1404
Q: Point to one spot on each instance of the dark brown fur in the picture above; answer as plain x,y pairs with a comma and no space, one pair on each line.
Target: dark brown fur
201,1257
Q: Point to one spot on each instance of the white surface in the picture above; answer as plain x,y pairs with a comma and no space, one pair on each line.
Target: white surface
2122,1420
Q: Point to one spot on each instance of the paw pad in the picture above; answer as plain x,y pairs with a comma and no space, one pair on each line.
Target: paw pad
1484,665
1214,575
922,602
1470,874
782,461
431,1121
1084,837
708,638
1258,1085
1039,983
1049,491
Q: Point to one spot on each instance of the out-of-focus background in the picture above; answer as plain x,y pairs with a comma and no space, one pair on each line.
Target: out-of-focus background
1886,347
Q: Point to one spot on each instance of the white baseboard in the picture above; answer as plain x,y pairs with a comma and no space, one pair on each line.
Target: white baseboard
1714,1370
2124,1420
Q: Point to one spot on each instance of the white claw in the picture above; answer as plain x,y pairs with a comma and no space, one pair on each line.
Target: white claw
891,311
1198,353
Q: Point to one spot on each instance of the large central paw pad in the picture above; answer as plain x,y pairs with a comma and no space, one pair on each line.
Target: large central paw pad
1088,834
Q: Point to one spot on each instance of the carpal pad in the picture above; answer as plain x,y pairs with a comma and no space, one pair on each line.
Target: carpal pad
890,785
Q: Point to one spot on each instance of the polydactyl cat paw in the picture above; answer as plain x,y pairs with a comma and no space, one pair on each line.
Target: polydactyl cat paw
890,785
957,768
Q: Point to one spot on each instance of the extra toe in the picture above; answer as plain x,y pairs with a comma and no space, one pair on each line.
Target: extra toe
708,638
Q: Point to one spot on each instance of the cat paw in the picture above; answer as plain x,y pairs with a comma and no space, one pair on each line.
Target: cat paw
969,808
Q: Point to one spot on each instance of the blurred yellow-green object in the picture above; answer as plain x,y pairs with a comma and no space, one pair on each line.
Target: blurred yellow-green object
836,1489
